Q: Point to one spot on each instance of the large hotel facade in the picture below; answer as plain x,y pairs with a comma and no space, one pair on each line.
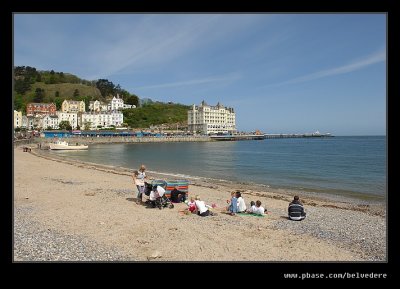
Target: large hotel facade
208,119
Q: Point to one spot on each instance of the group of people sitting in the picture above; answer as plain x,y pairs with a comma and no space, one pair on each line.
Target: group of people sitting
237,205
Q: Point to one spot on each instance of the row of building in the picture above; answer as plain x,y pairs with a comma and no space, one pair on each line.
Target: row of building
203,119
91,120
45,115
75,106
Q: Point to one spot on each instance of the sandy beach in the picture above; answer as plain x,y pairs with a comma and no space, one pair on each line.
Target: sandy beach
71,211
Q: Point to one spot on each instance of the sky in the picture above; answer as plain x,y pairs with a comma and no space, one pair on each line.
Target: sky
282,73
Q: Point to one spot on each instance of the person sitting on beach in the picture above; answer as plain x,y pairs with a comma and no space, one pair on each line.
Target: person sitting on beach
192,205
258,210
232,207
240,202
252,207
201,207
177,196
139,178
296,210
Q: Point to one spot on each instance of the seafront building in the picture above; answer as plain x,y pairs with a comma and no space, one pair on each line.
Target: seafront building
49,121
27,122
116,103
102,119
73,106
206,119
97,106
17,118
72,117
33,109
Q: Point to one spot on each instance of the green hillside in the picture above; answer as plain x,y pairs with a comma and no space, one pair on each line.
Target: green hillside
65,90
31,85
156,114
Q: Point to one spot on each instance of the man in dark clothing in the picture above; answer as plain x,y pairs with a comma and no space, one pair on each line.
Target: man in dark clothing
296,210
177,196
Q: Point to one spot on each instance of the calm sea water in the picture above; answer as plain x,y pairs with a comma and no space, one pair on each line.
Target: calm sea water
351,166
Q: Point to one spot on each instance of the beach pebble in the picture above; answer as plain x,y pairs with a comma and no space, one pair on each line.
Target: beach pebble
154,255
33,242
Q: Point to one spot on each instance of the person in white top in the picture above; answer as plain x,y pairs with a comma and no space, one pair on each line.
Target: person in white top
201,207
258,210
139,178
157,192
252,207
240,203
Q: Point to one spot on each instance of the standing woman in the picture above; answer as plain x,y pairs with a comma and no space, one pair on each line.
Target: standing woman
139,178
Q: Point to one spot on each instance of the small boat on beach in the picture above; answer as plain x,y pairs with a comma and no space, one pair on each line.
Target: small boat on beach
63,145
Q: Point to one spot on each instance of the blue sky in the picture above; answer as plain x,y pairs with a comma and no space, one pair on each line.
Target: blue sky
283,73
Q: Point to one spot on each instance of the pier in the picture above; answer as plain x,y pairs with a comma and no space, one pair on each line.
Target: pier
265,136
297,135
237,137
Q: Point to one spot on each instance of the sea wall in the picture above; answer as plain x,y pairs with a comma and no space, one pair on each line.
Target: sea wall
119,139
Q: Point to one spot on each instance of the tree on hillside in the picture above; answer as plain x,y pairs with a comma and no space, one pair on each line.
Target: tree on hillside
39,95
106,87
18,102
53,77
76,93
62,77
133,99
57,94
21,86
58,101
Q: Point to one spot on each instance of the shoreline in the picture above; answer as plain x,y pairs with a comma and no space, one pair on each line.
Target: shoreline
365,204
329,194
76,200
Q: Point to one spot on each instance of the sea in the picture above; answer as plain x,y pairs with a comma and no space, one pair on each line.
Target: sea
349,166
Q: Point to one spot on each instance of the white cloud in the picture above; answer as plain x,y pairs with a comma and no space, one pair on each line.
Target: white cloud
377,57
229,77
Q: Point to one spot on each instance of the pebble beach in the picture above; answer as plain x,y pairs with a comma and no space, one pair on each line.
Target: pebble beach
72,211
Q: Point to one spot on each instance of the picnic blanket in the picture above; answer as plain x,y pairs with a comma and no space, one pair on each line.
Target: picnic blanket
254,215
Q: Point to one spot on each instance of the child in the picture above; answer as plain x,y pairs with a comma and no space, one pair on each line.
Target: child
252,207
191,205
258,210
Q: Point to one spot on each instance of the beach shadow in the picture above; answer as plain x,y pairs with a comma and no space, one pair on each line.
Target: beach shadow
131,199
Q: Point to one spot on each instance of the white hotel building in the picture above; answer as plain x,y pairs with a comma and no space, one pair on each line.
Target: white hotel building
103,119
72,117
211,119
